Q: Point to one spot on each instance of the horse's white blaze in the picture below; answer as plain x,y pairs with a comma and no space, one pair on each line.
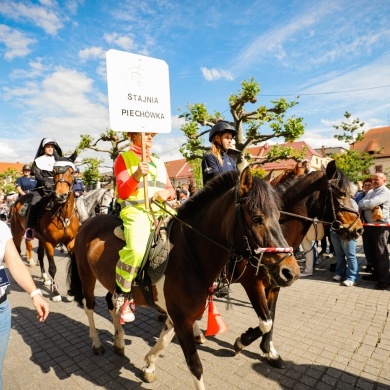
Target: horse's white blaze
273,353
265,326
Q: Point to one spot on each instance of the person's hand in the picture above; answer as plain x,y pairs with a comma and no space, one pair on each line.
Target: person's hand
41,306
161,196
142,170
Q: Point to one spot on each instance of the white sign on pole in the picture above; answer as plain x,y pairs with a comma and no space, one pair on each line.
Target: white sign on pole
138,93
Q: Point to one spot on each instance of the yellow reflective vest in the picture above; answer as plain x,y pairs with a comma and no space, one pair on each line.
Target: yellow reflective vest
157,180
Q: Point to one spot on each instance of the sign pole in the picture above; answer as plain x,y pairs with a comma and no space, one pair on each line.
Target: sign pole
145,178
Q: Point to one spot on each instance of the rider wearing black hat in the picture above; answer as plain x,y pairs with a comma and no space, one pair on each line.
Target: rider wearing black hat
48,153
26,183
218,161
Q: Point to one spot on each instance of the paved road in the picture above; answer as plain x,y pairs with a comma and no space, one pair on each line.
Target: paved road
330,336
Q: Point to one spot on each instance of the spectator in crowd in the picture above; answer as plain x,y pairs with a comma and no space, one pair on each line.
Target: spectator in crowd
366,186
324,244
375,238
307,166
26,183
347,267
78,185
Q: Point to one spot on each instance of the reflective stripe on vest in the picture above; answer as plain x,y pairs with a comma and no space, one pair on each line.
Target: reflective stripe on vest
157,179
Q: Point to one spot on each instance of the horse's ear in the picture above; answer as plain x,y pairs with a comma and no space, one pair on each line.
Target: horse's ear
246,180
331,169
73,156
269,176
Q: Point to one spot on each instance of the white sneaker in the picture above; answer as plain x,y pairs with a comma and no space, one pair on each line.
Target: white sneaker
337,278
349,283
124,308
306,273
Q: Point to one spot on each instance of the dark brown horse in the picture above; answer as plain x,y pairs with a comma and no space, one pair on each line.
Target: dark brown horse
58,225
230,215
322,195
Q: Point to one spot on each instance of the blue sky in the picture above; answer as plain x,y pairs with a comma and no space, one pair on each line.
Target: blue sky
335,54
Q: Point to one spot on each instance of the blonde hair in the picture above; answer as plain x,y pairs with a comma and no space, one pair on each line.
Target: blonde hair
216,150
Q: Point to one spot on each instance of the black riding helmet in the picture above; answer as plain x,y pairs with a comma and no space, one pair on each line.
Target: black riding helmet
26,167
222,127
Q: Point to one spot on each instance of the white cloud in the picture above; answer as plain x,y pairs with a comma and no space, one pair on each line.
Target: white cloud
122,41
92,53
16,42
38,15
215,74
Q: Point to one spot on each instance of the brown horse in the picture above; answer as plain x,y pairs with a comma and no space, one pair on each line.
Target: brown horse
55,226
322,195
230,215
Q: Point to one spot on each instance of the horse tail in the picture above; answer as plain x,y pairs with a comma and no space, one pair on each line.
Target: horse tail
74,282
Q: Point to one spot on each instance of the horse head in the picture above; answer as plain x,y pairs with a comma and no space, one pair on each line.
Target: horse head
346,222
257,213
63,177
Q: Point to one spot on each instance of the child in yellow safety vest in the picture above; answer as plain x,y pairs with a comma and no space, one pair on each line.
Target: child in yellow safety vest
137,219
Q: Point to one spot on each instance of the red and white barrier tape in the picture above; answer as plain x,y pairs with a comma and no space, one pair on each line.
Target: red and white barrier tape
376,224
274,250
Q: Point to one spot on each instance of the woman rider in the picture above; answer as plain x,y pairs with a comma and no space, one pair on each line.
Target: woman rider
217,161
47,154
137,219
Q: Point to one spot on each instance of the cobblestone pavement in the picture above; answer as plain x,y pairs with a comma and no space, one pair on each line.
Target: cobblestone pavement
330,336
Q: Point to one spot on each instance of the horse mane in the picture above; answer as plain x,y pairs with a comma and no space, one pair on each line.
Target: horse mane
260,196
291,190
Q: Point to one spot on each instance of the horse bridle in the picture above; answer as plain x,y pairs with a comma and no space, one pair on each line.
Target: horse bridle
61,170
335,225
252,258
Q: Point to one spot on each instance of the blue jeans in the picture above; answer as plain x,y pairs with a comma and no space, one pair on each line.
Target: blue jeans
5,330
347,265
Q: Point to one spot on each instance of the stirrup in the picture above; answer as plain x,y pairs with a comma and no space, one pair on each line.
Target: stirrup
29,234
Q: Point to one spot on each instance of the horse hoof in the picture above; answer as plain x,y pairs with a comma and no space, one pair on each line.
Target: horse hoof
98,350
277,363
119,351
149,377
200,339
237,347
31,263
70,298
56,298
47,282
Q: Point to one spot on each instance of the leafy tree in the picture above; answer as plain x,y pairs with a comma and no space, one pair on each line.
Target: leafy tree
91,174
8,180
118,140
349,136
254,120
354,164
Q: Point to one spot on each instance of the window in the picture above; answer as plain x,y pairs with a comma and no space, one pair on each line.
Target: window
378,169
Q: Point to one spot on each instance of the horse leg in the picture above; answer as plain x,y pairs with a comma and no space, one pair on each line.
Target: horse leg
165,338
198,334
55,294
29,256
97,346
185,335
266,344
41,256
119,334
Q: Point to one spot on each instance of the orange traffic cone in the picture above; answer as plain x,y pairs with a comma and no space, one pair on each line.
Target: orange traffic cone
215,322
